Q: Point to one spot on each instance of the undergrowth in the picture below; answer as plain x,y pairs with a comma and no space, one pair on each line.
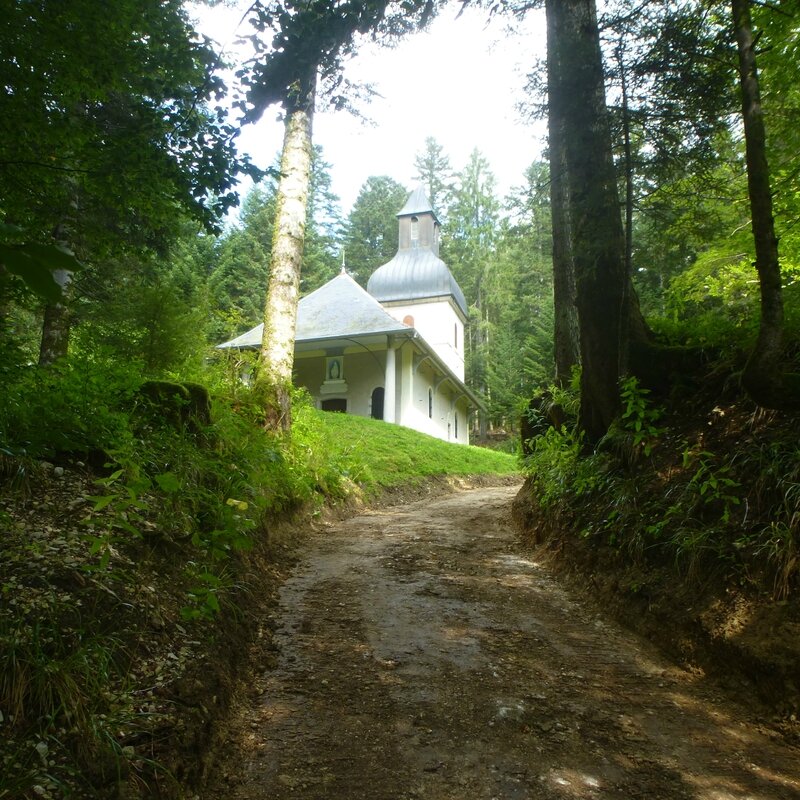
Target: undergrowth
722,497
127,524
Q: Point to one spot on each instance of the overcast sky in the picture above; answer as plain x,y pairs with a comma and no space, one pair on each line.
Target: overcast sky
458,82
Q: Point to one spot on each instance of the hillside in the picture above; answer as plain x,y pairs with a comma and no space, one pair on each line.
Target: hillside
130,589
683,524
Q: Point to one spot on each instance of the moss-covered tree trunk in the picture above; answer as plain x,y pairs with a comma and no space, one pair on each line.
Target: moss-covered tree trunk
762,378
57,319
280,312
54,343
596,233
565,329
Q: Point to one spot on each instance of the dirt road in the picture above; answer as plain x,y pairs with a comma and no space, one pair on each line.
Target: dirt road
418,653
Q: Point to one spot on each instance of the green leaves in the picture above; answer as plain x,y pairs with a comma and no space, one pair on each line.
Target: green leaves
168,482
638,416
309,38
106,123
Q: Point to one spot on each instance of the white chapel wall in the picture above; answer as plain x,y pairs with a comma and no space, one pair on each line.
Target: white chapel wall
440,326
363,371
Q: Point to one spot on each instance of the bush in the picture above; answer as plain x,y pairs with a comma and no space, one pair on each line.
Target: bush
76,406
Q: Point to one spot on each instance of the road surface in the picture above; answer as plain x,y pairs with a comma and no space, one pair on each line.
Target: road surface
419,652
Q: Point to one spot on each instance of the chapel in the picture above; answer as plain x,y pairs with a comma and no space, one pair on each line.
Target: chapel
394,352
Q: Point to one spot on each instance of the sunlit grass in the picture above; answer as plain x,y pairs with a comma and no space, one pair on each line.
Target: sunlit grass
377,454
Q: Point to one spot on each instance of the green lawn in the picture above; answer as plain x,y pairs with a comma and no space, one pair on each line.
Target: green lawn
375,453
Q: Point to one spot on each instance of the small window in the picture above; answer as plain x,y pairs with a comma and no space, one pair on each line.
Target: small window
408,320
455,334
455,420
414,231
430,403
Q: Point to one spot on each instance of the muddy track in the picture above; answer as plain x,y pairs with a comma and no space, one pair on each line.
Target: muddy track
418,652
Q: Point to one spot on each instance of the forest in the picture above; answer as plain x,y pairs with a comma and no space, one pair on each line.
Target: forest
634,314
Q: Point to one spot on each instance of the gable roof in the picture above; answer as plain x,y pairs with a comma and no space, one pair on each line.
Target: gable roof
337,310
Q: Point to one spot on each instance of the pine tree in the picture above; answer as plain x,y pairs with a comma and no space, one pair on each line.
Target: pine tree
433,170
370,238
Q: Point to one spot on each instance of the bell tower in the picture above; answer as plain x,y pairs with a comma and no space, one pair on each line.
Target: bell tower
419,226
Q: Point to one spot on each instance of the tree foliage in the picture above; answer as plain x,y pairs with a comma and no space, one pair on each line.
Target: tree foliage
109,141
434,171
105,122
370,234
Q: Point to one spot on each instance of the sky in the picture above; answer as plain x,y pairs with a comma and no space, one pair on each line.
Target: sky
458,82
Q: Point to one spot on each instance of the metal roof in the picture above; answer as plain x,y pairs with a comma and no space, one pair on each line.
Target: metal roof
417,203
339,309
342,308
415,274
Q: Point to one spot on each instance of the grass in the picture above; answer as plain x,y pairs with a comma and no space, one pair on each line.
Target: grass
378,455
111,583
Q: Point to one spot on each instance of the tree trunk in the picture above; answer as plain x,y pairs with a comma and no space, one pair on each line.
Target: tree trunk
596,234
565,332
762,377
54,343
628,156
280,312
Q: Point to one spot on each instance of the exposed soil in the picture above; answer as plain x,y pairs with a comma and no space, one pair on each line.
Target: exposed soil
420,652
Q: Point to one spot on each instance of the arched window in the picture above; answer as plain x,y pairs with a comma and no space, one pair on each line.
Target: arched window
455,334
430,403
414,231
455,420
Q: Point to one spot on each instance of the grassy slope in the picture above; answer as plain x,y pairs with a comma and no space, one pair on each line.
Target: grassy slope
376,455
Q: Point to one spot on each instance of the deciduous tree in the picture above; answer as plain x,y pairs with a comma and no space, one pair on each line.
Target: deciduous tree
107,138
763,375
309,43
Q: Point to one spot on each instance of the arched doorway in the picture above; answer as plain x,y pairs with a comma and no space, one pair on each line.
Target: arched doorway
377,403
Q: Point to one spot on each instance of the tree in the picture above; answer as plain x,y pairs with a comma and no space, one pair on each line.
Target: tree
518,301
669,68
106,137
370,237
434,171
596,234
565,313
763,376
309,44
242,264
468,248
472,226
280,314
322,252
